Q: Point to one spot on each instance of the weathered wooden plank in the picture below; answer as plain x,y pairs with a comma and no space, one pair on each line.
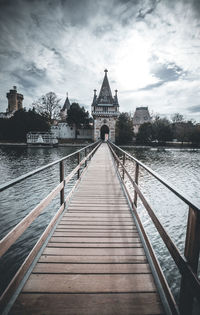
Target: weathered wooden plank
88,304
26,264
92,230
111,210
101,216
89,283
99,206
95,228
89,240
94,245
91,268
97,224
93,251
93,259
95,234
99,201
92,220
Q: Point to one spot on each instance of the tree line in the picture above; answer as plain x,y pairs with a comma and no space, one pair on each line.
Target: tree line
159,130
47,109
40,118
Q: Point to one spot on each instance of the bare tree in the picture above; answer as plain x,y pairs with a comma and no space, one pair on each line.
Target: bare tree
177,118
48,106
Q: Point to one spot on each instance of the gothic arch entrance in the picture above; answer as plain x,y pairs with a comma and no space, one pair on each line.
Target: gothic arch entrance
104,132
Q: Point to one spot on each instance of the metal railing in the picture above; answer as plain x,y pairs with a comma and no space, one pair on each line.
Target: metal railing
187,263
22,226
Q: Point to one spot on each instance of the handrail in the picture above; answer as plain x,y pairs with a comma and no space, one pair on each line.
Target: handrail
18,230
42,168
187,265
163,181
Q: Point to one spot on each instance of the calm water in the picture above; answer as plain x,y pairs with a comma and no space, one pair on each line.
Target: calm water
179,167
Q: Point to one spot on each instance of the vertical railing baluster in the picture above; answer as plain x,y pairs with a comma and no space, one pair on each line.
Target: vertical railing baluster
78,161
192,250
85,156
62,197
117,160
136,181
124,159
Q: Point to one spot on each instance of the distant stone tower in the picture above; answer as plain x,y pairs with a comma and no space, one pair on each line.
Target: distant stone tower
14,100
66,106
140,117
105,111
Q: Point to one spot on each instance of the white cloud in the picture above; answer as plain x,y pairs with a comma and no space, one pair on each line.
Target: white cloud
63,48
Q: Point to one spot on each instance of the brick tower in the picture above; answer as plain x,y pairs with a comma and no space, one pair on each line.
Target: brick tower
14,100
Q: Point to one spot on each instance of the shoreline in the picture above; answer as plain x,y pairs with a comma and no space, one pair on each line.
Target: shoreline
176,145
23,144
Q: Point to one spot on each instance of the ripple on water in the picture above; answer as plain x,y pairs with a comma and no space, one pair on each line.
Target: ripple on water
181,169
17,201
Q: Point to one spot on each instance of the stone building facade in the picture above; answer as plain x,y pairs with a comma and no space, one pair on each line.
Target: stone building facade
140,117
63,131
105,111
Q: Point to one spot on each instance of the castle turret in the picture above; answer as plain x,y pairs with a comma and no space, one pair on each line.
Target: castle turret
14,100
66,106
105,110
140,117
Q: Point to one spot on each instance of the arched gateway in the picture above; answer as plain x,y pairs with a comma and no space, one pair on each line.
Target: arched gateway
105,110
104,132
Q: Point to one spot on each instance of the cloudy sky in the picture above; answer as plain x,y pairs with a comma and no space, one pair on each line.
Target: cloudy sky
151,49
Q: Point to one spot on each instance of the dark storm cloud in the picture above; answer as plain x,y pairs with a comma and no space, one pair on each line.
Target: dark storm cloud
168,72
145,10
64,45
165,73
194,109
29,77
152,86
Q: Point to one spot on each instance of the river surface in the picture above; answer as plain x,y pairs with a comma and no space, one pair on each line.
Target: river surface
180,167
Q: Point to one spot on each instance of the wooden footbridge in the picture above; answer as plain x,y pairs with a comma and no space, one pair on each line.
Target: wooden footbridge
95,257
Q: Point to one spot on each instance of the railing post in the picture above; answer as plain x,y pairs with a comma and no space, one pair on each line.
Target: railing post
62,197
85,156
117,160
78,161
124,159
192,250
136,181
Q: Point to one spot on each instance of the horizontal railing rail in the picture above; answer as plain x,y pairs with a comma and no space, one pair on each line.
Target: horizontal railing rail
42,168
187,264
175,190
22,226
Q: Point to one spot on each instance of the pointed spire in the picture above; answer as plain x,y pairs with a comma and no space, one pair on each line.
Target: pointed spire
94,98
105,95
67,104
116,98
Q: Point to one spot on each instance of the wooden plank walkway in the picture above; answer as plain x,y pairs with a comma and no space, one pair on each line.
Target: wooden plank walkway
94,263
